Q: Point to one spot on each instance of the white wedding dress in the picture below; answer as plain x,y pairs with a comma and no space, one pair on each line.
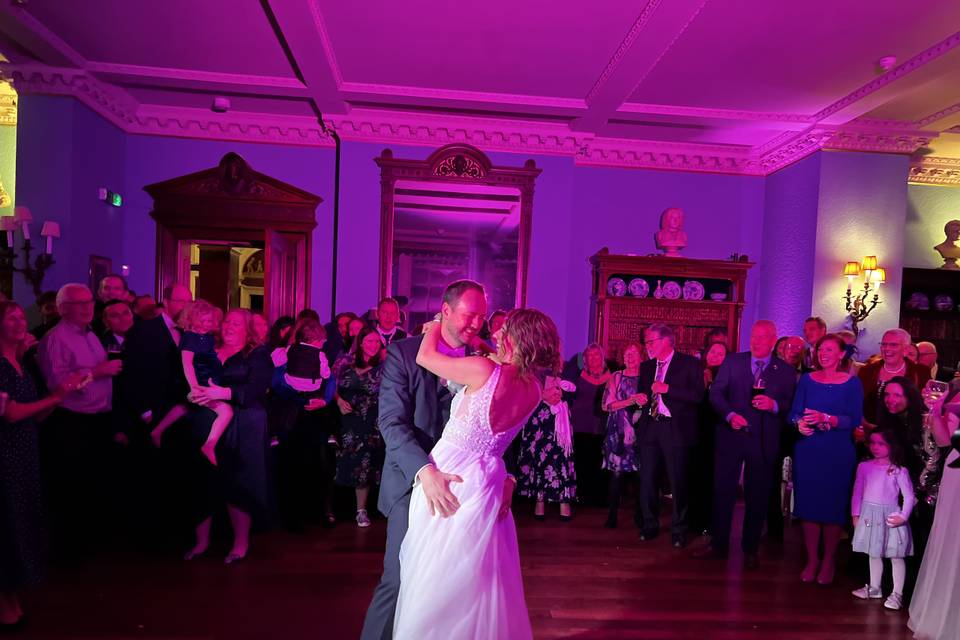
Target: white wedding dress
460,576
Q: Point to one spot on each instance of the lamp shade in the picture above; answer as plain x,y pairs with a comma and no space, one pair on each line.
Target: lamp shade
7,223
51,229
22,214
879,276
851,269
869,263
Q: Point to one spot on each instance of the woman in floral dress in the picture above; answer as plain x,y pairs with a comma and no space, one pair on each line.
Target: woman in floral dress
360,458
545,462
621,401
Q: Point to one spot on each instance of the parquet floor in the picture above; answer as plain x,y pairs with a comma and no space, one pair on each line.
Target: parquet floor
582,581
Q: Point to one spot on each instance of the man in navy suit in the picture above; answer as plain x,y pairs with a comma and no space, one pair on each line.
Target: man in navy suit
752,395
673,384
414,408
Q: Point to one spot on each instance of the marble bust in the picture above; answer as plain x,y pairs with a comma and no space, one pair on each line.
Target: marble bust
671,237
948,249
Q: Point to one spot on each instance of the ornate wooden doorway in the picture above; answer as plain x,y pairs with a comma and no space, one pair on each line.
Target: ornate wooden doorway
245,212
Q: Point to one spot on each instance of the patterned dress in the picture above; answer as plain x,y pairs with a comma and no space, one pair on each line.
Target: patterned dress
20,509
360,459
546,473
617,456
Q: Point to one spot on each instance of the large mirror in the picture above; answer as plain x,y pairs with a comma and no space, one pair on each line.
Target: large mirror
452,216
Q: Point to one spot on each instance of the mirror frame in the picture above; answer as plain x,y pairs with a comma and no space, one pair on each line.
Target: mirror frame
462,164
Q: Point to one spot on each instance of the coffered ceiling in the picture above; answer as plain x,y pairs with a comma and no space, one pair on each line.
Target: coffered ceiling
732,86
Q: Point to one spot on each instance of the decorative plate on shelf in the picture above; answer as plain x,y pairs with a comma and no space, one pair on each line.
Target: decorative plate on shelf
616,287
671,290
918,301
639,288
718,297
692,290
943,303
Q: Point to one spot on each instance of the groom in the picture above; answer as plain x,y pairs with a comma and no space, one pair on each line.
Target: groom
414,407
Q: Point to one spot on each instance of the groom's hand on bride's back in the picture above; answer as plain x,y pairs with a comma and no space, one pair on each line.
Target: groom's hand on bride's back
436,488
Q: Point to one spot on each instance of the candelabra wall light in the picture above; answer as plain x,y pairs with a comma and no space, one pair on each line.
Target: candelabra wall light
860,301
33,272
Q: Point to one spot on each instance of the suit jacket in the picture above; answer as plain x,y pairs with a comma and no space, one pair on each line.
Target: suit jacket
414,408
152,368
685,379
731,392
945,374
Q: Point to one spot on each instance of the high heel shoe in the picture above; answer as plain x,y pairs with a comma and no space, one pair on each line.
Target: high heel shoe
809,573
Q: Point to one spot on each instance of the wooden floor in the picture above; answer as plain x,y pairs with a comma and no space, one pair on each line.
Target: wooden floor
582,581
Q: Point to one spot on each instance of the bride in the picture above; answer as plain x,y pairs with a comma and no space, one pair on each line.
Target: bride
460,575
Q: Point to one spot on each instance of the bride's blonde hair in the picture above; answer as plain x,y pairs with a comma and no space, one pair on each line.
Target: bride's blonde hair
535,340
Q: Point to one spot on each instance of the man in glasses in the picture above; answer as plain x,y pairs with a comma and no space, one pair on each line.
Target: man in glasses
668,429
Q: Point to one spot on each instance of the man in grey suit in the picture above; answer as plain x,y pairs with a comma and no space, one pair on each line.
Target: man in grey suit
414,408
752,395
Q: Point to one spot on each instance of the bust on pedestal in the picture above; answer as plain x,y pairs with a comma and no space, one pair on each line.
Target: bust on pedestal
671,237
948,249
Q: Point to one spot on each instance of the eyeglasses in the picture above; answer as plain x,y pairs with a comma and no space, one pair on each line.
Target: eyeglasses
90,301
891,344
650,342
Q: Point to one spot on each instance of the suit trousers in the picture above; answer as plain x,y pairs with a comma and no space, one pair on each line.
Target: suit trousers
658,447
742,449
378,624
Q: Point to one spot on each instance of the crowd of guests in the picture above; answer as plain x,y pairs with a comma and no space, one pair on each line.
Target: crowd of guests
158,417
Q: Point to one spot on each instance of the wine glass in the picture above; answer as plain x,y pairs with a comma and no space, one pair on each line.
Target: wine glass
933,391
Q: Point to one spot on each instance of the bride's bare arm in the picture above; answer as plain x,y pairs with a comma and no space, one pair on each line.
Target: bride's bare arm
472,371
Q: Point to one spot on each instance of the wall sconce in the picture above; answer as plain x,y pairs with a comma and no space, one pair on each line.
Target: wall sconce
860,306
32,273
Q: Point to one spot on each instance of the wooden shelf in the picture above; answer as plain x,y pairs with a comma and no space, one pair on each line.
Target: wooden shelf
617,320
939,327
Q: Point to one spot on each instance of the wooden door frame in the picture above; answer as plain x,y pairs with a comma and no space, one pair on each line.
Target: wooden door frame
226,203
454,163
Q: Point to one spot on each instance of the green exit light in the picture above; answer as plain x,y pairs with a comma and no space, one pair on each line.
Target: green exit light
115,200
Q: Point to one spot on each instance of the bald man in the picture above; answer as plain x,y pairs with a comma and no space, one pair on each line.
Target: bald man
752,395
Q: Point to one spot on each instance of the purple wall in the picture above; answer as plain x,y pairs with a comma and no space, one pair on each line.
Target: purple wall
620,209
65,152
577,210
153,159
785,277
862,211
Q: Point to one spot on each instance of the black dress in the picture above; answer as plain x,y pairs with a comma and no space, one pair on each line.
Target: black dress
360,459
21,536
240,477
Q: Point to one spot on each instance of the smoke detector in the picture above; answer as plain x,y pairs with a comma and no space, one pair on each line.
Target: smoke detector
220,104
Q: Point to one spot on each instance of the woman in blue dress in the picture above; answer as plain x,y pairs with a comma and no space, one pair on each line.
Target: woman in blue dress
827,406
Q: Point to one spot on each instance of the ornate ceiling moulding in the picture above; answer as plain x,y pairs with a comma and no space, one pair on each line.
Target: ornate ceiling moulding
625,45
644,154
248,127
933,170
871,140
112,103
489,134
786,149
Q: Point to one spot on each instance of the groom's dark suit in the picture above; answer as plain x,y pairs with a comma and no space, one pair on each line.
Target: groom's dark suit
414,407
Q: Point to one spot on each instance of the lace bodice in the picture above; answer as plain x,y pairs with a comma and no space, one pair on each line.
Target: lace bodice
469,426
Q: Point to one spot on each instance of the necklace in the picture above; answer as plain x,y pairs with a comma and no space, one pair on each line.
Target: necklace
903,365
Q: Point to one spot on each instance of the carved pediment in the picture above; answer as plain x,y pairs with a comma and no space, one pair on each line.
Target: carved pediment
232,179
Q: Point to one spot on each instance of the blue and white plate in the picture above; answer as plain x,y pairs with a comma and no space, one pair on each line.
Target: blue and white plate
616,287
692,290
639,288
671,290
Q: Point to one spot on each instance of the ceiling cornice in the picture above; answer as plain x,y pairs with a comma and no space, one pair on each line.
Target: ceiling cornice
935,171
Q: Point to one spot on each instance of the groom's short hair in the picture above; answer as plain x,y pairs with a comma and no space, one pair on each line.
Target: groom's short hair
455,291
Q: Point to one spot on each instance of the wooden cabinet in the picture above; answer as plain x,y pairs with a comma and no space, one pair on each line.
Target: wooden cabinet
616,320
939,326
